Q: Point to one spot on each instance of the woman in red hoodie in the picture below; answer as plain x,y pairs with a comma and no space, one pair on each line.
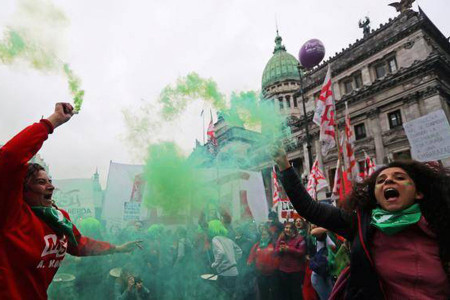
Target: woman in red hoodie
266,262
34,234
291,248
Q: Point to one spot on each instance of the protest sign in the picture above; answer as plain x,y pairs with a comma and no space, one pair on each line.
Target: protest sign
429,137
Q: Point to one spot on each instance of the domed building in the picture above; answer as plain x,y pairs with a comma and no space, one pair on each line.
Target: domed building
281,84
392,75
281,79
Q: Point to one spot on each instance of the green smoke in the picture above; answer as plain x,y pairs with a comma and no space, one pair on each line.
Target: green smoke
141,124
15,47
174,99
74,87
155,231
33,37
12,47
248,110
244,110
184,184
174,182
265,126
90,227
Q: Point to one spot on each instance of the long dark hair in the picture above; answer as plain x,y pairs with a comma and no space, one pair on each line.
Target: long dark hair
32,170
433,183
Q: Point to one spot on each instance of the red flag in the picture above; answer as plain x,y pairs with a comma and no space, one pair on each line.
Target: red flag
324,115
211,132
341,185
275,189
369,165
339,188
344,191
316,180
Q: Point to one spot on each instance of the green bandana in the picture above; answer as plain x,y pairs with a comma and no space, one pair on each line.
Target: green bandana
393,222
56,220
303,232
263,243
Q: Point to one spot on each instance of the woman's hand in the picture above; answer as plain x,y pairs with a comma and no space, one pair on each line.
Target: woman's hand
63,113
280,157
318,231
128,247
130,283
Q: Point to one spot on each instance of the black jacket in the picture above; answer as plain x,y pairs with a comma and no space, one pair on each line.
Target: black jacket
355,227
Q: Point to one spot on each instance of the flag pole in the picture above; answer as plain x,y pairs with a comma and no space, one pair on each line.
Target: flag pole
203,123
315,191
342,164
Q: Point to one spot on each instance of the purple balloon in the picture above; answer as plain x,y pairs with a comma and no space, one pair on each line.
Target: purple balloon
311,53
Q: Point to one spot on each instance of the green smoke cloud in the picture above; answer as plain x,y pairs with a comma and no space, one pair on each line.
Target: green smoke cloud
181,183
90,227
74,87
34,37
175,98
174,182
16,47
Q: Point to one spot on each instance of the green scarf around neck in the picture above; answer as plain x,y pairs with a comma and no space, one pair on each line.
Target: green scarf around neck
303,232
392,222
56,220
263,243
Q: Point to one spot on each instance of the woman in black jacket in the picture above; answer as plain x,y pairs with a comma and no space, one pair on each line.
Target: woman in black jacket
399,213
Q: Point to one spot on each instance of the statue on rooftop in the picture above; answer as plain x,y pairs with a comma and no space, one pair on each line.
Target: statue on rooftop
365,25
403,5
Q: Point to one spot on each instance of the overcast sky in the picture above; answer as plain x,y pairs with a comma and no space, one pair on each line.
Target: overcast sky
126,51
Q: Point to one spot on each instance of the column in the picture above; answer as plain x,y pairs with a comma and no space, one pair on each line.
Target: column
412,108
318,151
305,154
375,129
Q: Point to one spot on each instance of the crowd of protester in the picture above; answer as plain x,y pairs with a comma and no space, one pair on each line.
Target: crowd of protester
216,258
390,241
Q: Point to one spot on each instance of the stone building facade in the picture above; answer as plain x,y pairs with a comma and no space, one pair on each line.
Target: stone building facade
394,74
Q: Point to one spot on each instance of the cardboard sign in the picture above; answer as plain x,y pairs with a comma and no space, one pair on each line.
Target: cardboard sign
131,211
429,137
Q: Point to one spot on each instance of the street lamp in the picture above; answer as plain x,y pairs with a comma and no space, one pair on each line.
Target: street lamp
300,69
310,55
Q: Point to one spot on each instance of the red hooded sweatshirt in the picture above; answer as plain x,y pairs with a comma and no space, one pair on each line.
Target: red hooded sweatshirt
30,251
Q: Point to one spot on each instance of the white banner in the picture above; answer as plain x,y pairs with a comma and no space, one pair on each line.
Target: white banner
77,196
429,136
241,191
124,185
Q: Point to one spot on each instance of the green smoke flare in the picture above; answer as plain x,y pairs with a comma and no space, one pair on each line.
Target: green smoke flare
15,47
74,87
12,47
175,99
32,38
173,182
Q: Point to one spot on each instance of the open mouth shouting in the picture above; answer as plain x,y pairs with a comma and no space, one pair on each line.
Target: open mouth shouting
395,190
391,194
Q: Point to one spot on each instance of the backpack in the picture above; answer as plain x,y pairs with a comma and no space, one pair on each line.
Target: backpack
319,263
